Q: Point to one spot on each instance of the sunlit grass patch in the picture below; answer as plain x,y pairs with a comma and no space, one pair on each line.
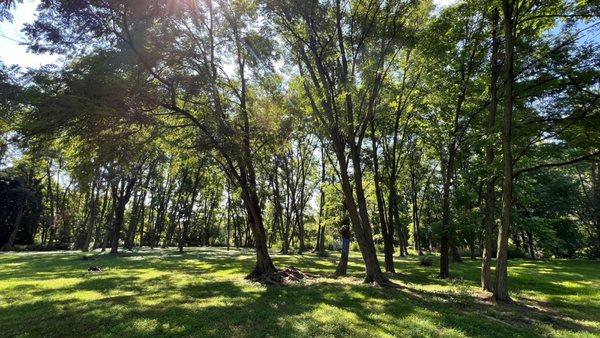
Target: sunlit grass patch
203,293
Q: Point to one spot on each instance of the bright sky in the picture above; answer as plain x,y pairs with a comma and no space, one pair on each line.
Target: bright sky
12,51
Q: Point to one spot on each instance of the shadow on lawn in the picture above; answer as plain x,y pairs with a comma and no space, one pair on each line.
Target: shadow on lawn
200,305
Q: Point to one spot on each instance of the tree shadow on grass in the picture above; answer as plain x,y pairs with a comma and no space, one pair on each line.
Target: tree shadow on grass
225,308
189,296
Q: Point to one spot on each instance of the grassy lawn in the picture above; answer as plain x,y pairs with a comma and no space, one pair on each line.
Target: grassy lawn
203,293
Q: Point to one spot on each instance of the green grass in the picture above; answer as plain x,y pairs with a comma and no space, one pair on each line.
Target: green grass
203,293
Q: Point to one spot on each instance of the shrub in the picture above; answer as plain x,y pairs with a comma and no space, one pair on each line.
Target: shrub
514,252
426,261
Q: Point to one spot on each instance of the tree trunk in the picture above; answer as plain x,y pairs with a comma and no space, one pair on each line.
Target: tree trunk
98,234
388,243
490,195
530,244
445,238
139,210
343,262
174,214
357,210
51,200
320,247
415,211
93,215
393,214
228,214
264,265
190,210
121,194
595,202
133,220
15,228
301,202
119,211
472,249
456,258
501,286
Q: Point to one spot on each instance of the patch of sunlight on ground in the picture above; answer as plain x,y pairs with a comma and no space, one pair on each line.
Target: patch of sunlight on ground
161,292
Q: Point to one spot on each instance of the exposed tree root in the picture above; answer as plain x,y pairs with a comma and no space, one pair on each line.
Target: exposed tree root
380,281
282,277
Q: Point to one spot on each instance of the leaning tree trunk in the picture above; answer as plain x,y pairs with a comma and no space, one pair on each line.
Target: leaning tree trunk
357,210
501,289
264,265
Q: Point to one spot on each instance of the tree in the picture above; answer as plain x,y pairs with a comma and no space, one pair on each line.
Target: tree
200,101
337,46
463,38
532,79
21,206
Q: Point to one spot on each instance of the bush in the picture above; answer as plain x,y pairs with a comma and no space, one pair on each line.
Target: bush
514,252
426,261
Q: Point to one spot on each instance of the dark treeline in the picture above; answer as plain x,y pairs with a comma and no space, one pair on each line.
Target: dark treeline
470,131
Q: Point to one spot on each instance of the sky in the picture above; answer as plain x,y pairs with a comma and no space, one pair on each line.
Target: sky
14,52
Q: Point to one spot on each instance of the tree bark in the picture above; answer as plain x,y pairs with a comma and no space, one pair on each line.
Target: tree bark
393,213
501,284
264,265
445,236
228,215
388,244
490,195
530,245
357,210
121,195
415,210
320,247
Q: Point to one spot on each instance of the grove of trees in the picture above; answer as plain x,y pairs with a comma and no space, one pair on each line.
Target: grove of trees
472,131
